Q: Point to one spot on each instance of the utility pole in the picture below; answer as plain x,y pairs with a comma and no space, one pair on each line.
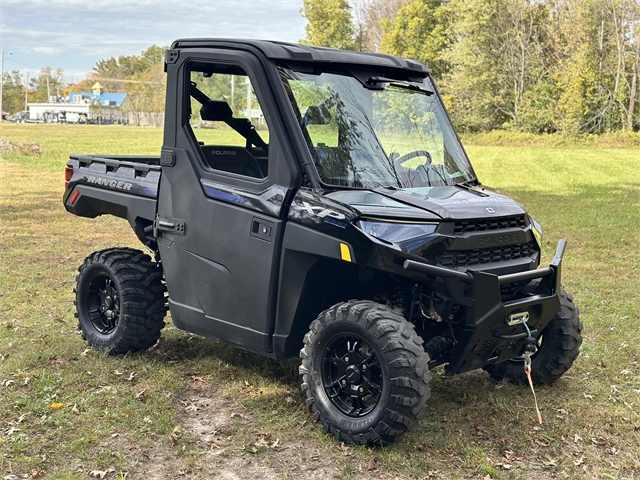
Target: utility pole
2,80
26,93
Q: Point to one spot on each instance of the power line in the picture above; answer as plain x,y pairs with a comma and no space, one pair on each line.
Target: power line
124,81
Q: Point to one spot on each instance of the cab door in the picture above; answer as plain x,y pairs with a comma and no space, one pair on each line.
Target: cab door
223,187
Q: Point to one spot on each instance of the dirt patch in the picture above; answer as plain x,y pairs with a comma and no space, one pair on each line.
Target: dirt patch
230,443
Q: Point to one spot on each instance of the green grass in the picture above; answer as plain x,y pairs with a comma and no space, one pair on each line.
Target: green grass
473,428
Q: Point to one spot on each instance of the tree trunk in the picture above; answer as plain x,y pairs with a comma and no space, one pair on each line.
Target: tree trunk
632,90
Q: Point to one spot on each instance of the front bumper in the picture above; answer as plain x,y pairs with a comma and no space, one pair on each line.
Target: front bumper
491,333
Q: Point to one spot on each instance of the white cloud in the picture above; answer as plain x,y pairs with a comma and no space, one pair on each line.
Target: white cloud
75,34
46,50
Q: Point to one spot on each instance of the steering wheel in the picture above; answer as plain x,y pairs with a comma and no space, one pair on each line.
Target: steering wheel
416,153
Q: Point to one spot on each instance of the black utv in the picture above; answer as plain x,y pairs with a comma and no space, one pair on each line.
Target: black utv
316,202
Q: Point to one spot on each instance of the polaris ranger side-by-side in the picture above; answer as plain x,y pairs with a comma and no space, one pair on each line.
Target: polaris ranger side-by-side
317,202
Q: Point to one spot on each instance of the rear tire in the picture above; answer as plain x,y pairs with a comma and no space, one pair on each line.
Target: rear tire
120,300
365,373
559,346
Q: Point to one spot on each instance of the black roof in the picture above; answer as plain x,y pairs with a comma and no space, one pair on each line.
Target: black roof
304,53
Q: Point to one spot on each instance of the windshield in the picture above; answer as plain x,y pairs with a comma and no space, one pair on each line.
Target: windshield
394,134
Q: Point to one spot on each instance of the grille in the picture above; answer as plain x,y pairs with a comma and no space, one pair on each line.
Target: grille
465,258
489,224
509,290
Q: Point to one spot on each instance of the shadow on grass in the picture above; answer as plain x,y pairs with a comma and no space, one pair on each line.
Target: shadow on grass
198,352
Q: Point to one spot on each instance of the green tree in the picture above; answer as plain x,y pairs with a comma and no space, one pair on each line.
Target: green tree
597,51
329,24
369,16
146,95
498,60
49,82
421,30
12,92
110,71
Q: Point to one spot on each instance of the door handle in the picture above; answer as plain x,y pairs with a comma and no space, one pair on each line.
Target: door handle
261,229
169,226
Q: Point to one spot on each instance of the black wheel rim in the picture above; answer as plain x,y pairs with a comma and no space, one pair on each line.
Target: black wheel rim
103,303
352,375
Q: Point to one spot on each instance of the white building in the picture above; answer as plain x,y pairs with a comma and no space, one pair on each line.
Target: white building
82,107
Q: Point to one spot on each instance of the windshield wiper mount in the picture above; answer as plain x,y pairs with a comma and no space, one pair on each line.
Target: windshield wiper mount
377,81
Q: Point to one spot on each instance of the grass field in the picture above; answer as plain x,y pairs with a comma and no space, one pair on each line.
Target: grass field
194,408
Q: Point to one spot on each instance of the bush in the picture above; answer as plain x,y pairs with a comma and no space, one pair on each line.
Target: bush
507,138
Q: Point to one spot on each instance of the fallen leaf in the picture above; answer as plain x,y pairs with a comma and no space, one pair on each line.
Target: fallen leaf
56,405
131,377
101,473
26,380
7,383
372,462
590,397
175,435
75,409
345,449
117,372
614,389
249,391
59,319
86,351
237,415
142,396
541,443
580,461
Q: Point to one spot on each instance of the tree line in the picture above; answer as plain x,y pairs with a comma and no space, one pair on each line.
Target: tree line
140,76
568,66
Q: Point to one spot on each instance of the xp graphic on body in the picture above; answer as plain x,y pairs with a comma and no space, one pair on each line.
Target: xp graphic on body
293,180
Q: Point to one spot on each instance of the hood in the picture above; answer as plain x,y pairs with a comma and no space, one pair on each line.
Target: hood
430,203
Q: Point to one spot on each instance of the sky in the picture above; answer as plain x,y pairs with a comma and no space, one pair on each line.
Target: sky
74,35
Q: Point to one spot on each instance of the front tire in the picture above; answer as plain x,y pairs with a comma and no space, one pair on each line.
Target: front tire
365,373
120,300
558,347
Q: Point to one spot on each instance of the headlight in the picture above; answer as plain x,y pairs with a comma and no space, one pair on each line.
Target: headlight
396,232
536,229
